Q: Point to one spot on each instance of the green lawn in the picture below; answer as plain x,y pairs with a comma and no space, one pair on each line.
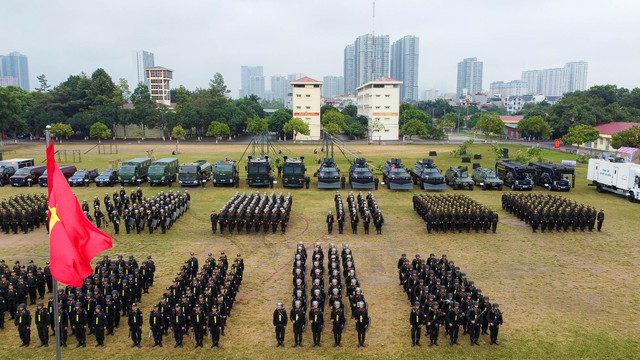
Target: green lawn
564,295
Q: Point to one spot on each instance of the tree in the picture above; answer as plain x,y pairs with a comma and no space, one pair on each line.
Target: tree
333,128
350,111
61,129
580,134
414,127
44,86
629,137
218,129
123,87
100,130
535,126
144,112
102,90
278,119
296,126
257,126
11,107
334,117
490,124
355,128
326,108
449,121
178,133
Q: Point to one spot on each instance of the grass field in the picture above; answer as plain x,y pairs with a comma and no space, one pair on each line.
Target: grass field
563,295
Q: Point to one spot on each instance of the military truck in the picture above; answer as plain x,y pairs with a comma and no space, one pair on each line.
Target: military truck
486,178
515,175
10,166
426,174
163,172
194,174
328,175
360,175
259,171
458,177
293,172
622,178
27,176
134,171
67,171
225,172
395,176
552,176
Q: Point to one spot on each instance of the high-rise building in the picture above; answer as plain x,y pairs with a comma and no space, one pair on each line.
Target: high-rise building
507,89
252,81
16,66
532,78
404,66
279,87
577,75
469,77
159,84
350,70
554,82
306,105
370,57
430,95
379,101
144,60
332,86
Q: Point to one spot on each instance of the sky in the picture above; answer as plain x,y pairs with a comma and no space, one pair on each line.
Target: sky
197,38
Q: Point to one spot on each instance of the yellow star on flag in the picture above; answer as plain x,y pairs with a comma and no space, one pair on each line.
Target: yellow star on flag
54,217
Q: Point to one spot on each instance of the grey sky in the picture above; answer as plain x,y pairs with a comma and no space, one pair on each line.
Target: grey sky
199,38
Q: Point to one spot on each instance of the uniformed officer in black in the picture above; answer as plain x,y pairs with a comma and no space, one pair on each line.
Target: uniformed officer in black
298,320
474,319
330,221
99,323
362,323
23,323
416,318
156,322
178,321
79,324
135,325
454,317
340,219
280,323
216,323
214,221
433,319
495,320
316,319
42,318
63,321
600,219
199,325
338,320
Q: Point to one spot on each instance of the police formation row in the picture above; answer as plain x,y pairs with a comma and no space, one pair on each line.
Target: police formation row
23,212
454,212
360,207
442,295
252,212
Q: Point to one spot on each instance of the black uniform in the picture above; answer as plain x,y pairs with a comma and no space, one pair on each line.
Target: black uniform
280,324
23,322
362,323
156,322
135,326
316,319
42,318
297,318
99,323
330,221
216,322
416,319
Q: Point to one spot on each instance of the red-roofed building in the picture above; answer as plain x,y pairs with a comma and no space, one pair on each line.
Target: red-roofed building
606,131
511,126
306,101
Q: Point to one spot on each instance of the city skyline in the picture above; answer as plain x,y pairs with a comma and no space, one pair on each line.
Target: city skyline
318,50
14,70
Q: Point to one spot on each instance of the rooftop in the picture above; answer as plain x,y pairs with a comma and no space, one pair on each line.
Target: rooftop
615,127
511,119
306,79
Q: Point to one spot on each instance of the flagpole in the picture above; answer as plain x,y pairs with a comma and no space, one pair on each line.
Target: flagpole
56,304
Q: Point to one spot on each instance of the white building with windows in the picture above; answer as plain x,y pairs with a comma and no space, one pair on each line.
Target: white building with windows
159,84
306,101
379,101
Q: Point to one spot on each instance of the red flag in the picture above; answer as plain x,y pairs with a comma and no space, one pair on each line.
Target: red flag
73,240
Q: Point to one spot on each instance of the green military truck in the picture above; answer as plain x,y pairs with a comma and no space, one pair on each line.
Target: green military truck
225,172
259,171
293,172
194,174
163,172
134,171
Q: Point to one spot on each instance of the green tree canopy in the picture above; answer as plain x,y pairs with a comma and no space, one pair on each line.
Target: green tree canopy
296,126
490,124
100,131
350,111
449,121
335,117
218,129
278,119
61,129
535,126
333,128
629,137
580,134
257,126
413,127
355,128
178,132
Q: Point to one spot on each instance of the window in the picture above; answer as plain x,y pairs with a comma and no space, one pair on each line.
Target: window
298,95
308,107
387,95
601,141
308,95
298,107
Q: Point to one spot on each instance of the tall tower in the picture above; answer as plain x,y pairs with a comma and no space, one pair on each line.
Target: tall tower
15,70
404,66
144,60
159,80
350,69
577,75
252,78
469,77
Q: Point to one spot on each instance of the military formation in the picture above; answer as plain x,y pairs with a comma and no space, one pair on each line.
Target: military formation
23,212
310,310
198,302
454,213
552,212
443,297
97,307
361,208
253,213
138,212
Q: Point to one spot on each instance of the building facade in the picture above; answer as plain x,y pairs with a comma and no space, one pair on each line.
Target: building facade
306,102
279,87
606,132
15,68
508,89
405,56
554,82
144,60
379,101
252,81
349,70
532,78
578,71
332,86
558,81
469,77
370,57
159,84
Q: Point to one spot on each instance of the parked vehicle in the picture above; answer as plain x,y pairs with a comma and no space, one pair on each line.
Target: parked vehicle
617,177
9,167
107,177
27,176
163,172
134,171
426,173
458,177
67,171
328,175
194,174
515,175
395,176
225,172
552,176
360,175
259,171
83,177
486,178
293,172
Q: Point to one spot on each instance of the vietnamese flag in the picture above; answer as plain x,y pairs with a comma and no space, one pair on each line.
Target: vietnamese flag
74,241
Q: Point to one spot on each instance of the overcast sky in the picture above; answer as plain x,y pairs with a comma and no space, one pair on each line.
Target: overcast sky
198,38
